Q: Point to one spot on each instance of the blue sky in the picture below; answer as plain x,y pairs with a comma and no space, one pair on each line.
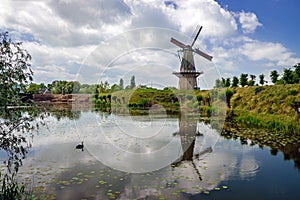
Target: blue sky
99,40
280,19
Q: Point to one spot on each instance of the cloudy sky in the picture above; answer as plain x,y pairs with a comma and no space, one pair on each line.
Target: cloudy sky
98,40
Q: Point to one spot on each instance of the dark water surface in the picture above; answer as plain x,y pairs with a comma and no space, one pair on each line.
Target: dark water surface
151,157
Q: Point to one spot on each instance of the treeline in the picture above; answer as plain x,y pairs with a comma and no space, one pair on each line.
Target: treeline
289,76
75,87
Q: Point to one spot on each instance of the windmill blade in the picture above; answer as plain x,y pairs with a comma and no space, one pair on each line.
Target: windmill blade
201,53
196,36
176,42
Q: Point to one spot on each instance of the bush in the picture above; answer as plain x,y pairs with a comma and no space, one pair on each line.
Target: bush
209,111
199,98
293,92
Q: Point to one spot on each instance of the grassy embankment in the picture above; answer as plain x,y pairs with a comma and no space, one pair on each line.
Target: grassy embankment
268,107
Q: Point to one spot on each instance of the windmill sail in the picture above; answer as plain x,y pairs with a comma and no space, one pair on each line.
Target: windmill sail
201,53
196,36
176,42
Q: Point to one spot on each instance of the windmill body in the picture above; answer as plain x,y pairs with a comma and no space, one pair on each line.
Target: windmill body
188,73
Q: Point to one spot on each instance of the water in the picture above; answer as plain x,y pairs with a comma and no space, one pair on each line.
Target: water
151,157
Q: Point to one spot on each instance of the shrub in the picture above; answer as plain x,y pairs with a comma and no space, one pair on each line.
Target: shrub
208,111
293,92
199,98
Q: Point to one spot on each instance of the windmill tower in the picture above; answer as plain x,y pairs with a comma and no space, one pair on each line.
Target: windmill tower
188,74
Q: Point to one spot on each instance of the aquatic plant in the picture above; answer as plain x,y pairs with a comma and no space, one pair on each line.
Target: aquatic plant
12,190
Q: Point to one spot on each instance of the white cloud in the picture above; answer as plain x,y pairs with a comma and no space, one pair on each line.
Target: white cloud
217,21
249,21
61,34
271,52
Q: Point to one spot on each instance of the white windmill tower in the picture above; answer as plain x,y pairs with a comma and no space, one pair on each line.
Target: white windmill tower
188,74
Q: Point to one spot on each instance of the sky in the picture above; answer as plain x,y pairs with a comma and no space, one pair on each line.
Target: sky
97,40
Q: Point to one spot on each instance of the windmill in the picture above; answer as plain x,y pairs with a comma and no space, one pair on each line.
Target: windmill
188,74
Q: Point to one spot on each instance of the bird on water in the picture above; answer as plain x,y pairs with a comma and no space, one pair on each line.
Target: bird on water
80,146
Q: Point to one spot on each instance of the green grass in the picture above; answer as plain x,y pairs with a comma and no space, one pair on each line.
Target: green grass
268,107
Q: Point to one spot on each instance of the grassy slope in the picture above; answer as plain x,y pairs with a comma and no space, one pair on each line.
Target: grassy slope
268,107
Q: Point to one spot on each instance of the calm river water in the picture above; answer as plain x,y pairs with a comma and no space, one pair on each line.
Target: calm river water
151,157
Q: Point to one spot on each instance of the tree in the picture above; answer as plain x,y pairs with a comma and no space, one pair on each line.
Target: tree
288,76
223,82
57,87
132,82
15,77
297,72
103,87
115,87
33,89
76,87
243,79
262,79
252,81
68,87
235,81
218,84
227,82
121,84
274,76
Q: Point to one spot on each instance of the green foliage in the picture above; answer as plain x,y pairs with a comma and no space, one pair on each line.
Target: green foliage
209,111
235,82
229,93
33,89
297,70
199,98
293,92
243,80
88,89
218,84
15,72
274,76
288,76
227,82
12,190
15,77
115,87
268,107
252,81
103,87
16,123
262,79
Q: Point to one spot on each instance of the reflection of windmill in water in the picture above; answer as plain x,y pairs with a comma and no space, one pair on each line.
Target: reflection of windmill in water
188,74
187,133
